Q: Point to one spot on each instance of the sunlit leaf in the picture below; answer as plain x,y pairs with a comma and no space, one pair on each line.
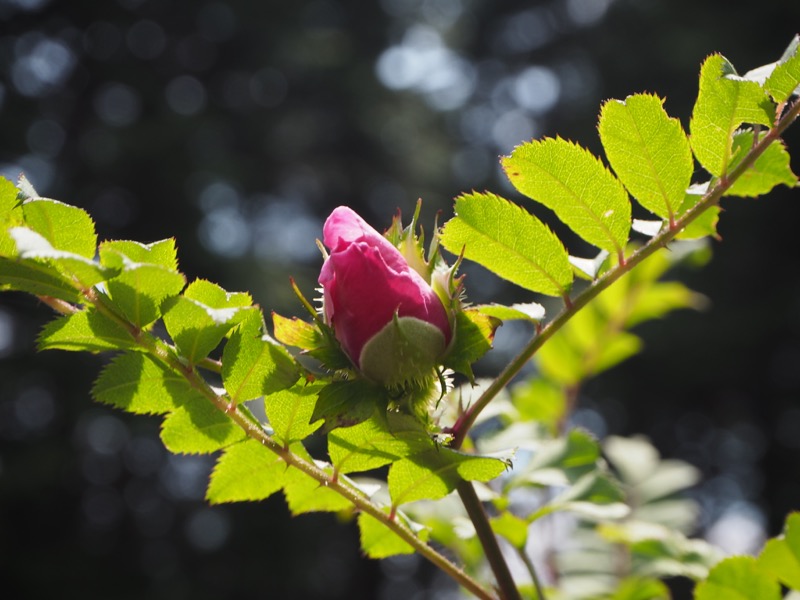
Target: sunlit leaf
474,332
785,78
10,216
378,541
770,169
508,241
246,471
36,277
136,383
725,102
573,183
86,331
648,150
66,228
199,427
781,555
296,332
737,578
253,364
512,528
305,494
516,312
290,411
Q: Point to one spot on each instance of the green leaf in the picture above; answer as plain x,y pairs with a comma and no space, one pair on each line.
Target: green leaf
305,494
512,528
704,225
65,227
575,185
296,332
148,275
348,403
561,461
785,79
638,588
138,384
737,578
649,152
246,472
378,541
35,247
781,555
725,102
36,277
593,495
10,216
474,333
290,411
541,401
435,473
199,319
199,427
531,311
253,364
510,242
86,331
770,169
380,440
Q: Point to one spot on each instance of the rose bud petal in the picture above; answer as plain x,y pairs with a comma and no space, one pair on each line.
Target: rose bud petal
386,317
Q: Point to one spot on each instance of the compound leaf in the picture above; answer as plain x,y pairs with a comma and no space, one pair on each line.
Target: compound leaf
85,331
246,472
199,427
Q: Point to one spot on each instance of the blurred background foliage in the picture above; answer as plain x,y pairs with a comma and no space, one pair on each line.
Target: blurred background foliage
236,127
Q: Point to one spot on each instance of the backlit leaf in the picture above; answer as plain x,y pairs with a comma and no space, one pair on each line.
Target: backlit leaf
519,312
67,228
290,411
574,184
512,528
253,364
136,383
770,169
510,242
36,277
296,332
725,102
474,333
199,427
781,555
86,331
245,472
378,541
737,578
649,152
305,494
785,78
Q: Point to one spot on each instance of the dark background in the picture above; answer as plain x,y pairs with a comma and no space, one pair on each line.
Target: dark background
236,127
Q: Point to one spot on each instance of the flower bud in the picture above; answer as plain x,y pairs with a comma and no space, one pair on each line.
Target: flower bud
386,317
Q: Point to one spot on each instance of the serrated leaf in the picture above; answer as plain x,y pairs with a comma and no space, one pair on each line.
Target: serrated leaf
378,541
136,383
199,319
770,169
162,253
35,247
147,276
705,224
474,333
66,228
296,332
304,494
512,528
86,331
737,578
725,101
530,311
435,473
575,185
785,78
198,427
380,440
290,411
246,472
508,241
253,364
36,277
649,152
10,216
348,403
781,555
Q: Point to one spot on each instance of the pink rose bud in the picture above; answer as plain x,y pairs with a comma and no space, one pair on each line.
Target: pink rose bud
386,317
